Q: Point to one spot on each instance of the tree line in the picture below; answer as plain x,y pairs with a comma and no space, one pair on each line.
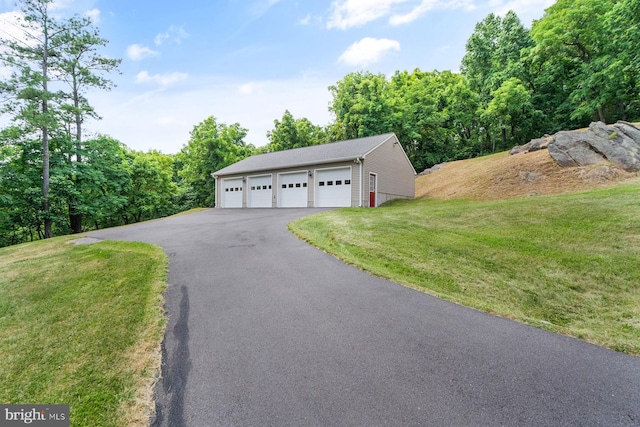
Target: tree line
576,64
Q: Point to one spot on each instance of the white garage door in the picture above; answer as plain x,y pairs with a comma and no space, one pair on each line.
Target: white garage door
232,193
292,190
333,188
259,189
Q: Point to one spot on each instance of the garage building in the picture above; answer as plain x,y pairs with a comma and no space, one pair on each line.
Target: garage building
363,172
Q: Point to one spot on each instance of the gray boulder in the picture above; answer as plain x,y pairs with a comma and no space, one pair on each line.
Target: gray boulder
533,145
570,149
618,144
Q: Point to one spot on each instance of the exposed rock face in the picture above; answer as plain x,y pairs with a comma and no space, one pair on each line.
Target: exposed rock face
432,169
618,144
573,149
533,145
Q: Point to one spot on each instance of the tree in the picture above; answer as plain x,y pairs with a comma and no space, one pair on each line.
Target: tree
99,183
418,117
151,188
493,53
29,83
572,37
52,50
622,23
291,133
360,105
511,110
212,146
81,67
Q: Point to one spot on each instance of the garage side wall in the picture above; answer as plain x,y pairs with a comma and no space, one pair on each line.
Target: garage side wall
395,174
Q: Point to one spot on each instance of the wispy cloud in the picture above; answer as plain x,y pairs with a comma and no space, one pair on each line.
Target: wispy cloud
310,19
162,80
137,52
354,13
250,88
345,14
174,33
368,51
306,20
426,6
94,15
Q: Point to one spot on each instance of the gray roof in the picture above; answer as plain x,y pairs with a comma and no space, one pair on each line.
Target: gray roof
306,156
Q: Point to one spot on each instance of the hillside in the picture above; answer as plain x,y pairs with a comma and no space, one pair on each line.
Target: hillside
502,176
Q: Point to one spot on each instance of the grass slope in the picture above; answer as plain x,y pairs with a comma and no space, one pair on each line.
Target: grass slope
500,176
82,325
568,263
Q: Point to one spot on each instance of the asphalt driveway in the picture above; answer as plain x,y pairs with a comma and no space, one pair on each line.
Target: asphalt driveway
266,330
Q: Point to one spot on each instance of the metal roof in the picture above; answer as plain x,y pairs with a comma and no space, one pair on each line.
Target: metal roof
306,156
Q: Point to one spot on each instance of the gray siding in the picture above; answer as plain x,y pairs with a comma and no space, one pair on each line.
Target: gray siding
395,174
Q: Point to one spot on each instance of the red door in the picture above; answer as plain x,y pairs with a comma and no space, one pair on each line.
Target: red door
372,190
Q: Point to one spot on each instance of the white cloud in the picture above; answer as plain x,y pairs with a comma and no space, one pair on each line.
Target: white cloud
175,34
94,15
160,38
250,88
11,26
354,13
138,52
368,51
306,20
162,80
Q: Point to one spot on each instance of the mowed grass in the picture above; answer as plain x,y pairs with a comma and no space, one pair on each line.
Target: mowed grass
568,263
82,325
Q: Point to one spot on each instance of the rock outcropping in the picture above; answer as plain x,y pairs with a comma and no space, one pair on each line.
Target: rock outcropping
618,144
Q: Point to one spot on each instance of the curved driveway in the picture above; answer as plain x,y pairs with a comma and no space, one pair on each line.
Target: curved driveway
265,330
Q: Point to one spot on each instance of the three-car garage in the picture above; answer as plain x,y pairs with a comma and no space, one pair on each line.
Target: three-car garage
363,172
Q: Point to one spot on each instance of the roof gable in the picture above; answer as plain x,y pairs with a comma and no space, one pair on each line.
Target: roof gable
316,154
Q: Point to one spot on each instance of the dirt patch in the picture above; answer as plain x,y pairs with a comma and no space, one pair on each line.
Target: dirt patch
502,176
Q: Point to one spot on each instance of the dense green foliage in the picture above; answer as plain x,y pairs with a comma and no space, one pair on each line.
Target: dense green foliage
212,147
568,263
578,63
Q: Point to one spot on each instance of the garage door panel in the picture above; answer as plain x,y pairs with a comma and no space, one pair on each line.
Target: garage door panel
259,192
293,190
333,188
232,193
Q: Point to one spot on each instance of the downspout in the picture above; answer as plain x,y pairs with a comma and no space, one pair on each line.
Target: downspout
215,195
359,162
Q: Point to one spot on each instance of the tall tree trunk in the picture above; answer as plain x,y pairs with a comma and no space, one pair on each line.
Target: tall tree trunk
75,221
75,218
45,136
601,114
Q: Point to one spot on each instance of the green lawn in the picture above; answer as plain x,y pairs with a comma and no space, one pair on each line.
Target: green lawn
569,263
82,325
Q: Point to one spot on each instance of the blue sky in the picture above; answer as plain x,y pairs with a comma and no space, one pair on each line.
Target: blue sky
247,61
